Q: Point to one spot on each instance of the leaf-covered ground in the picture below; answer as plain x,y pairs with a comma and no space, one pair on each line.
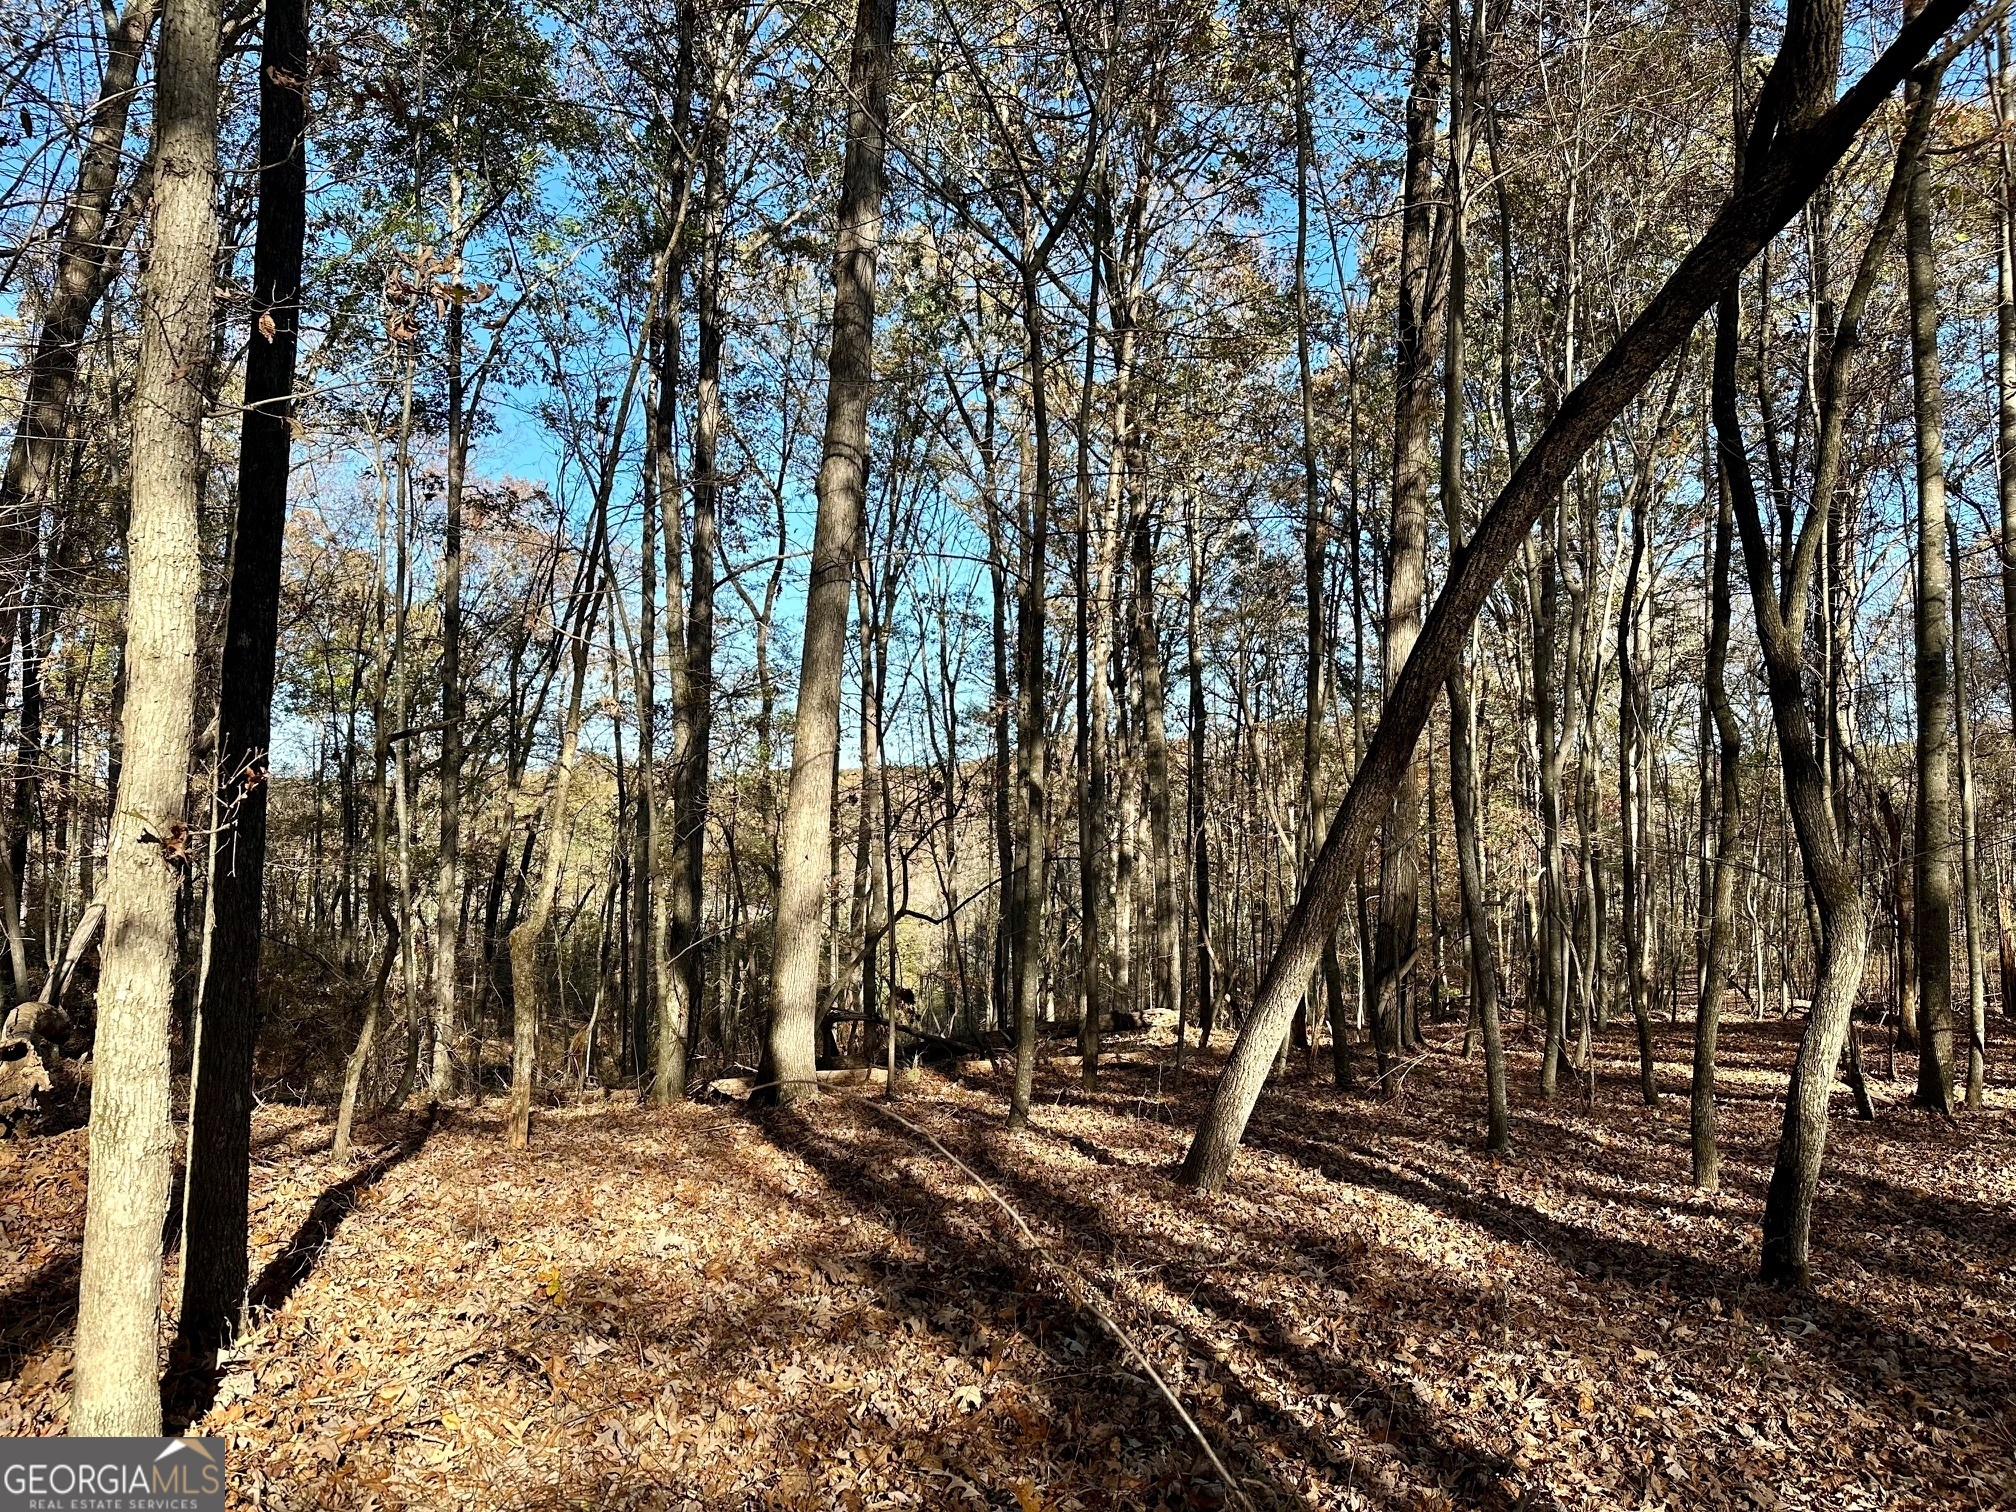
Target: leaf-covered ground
713,1307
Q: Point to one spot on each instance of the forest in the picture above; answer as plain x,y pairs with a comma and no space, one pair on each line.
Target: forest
1046,754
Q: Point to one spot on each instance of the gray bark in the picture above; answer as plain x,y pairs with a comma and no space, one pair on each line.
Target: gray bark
842,486
146,864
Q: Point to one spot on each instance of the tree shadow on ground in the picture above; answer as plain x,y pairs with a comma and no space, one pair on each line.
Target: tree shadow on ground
1843,1336
1472,1473
189,1386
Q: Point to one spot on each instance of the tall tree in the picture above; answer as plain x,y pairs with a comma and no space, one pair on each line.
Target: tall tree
692,755
1466,45
220,1113
806,843
1407,544
1932,899
147,860
1719,927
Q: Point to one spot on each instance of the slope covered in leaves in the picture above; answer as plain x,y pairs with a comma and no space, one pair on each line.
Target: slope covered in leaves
711,1307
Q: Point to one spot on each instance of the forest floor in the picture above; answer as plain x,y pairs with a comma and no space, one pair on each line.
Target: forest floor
717,1307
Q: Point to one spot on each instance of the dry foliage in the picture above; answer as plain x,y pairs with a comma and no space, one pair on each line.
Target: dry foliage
711,1307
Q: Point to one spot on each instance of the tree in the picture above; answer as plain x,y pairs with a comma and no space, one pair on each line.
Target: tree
1932,891
220,1119
147,862
842,490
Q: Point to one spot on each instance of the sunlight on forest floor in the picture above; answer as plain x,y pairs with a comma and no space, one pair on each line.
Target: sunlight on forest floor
710,1307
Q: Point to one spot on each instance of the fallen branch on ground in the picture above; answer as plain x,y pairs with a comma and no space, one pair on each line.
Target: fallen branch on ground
1082,1294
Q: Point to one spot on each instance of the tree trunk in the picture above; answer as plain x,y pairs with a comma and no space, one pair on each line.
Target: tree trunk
842,487
1632,707
1720,923
525,938
1155,748
693,740
132,1140
220,1118
1805,142
1970,879
1795,1176
2002,92
1482,970
1407,556
86,261
1315,522
1200,848
388,654
673,1031
441,1077
1032,743
1932,625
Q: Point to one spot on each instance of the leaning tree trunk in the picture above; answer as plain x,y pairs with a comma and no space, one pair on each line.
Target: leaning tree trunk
1804,142
1932,630
220,1116
147,861
842,487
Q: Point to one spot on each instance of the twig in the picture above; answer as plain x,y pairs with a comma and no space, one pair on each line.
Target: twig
1082,1293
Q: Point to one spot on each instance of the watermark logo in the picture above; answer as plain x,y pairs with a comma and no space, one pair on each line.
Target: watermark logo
112,1475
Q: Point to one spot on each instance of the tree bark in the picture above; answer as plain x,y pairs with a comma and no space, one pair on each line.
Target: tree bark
842,489
132,1140
1395,945
1970,878
1482,970
1728,836
220,1117
1932,625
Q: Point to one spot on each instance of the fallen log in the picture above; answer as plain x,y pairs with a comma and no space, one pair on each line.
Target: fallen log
740,1087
